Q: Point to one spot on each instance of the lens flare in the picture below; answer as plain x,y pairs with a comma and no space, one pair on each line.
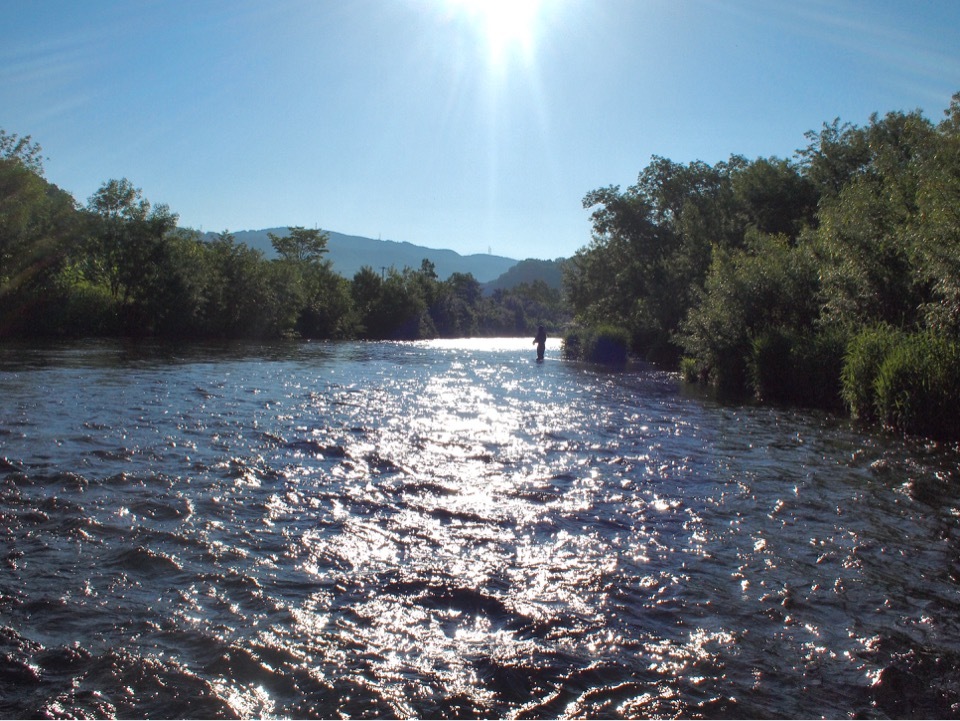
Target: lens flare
506,26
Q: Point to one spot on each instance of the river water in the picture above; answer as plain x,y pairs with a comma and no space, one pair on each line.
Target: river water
451,529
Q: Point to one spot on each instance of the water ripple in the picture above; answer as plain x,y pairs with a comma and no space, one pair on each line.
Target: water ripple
448,529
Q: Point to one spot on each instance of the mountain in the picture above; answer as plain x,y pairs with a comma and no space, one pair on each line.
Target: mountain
529,271
349,253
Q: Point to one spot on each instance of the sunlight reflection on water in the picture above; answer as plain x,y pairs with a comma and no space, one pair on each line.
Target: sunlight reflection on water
449,528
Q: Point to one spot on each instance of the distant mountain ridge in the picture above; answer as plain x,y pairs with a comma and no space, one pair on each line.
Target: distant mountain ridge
530,271
349,253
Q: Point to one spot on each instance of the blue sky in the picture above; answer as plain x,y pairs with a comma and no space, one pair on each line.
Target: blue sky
473,126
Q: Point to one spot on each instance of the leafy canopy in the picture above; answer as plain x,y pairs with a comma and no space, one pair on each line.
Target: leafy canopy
302,245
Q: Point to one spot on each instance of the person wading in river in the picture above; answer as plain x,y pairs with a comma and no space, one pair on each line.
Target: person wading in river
541,341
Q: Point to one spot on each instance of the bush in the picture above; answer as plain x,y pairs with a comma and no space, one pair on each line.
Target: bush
600,344
918,387
81,309
798,368
690,370
818,366
90,310
769,367
865,353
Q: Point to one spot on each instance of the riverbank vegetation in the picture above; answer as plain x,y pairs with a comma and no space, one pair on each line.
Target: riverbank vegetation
597,344
120,266
831,279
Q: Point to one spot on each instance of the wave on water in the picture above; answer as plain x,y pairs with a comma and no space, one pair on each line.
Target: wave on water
450,529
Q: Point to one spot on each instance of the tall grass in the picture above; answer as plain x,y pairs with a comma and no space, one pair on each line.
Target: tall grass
866,353
918,387
907,382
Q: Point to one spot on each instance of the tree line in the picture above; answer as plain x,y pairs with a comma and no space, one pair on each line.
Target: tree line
830,279
121,266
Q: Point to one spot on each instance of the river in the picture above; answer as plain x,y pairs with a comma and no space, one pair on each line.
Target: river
451,529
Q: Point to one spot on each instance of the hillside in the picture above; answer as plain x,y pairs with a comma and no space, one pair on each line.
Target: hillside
529,271
349,253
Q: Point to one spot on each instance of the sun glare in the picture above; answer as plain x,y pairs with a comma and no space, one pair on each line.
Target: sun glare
506,25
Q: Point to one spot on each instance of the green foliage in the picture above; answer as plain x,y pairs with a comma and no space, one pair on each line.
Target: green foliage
798,368
22,151
87,310
774,197
759,270
690,370
390,307
834,157
865,354
770,365
38,229
122,266
329,311
597,344
918,387
935,230
238,300
302,245
128,251
768,284
867,239
655,244
454,306
906,381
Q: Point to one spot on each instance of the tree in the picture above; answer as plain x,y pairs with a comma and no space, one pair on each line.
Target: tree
240,302
127,248
391,308
651,249
428,269
328,310
867,232
454,306
775,197
605,279
21,150
833,156
769,285
302,245
936,227
29,207
38,227
175,304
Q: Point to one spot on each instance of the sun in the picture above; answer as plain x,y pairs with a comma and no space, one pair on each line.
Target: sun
507,26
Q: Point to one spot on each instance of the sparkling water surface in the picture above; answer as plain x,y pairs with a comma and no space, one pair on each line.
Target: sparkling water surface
451,529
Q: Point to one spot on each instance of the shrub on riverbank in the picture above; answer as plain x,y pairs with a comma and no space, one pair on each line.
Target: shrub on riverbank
907,382
918,387
865,354
798,368
598,344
